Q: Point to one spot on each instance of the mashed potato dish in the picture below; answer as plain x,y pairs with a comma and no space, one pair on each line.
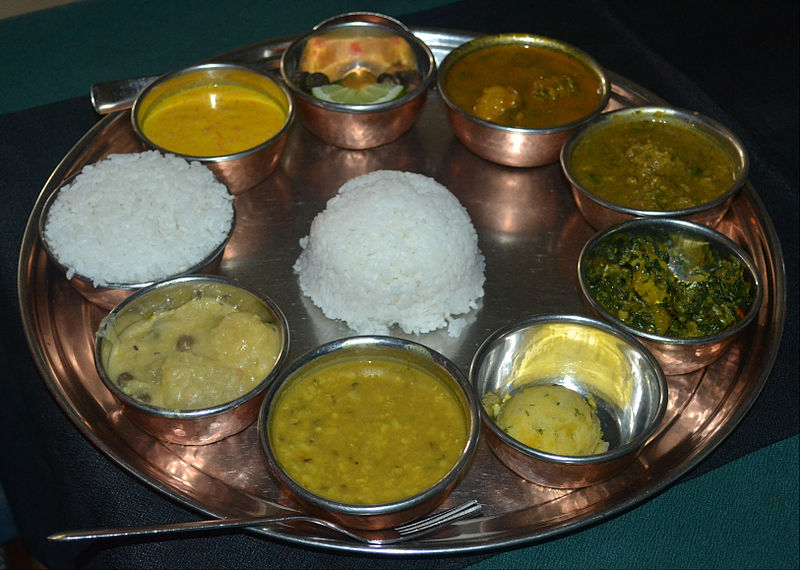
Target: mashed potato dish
550,418
393,248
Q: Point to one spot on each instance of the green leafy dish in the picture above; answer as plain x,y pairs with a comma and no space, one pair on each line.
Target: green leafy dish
668,284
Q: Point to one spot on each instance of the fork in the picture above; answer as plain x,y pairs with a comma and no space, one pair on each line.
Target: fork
371,537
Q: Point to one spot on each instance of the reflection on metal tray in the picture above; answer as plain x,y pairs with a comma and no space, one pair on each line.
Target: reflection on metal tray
531,234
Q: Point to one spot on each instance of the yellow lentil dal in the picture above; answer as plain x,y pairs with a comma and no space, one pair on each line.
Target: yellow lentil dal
367,432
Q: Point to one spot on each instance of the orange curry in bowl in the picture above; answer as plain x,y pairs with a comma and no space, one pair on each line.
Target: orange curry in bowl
523,86
213,113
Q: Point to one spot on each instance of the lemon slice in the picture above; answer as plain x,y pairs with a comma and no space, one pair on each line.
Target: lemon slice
374,93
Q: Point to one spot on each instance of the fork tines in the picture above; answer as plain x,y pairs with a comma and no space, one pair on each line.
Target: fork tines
453,514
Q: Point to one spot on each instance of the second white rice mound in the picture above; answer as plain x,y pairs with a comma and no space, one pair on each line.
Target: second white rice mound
393,248
137,218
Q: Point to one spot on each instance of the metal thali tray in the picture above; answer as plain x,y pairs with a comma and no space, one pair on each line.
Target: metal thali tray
530,233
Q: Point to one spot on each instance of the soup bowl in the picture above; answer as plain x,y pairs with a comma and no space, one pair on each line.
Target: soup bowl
654,162
369,431
231,118
504,115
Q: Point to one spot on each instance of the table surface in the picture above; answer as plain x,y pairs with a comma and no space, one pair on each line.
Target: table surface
738,508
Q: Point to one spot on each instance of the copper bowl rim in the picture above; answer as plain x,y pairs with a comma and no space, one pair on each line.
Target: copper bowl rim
209,412
627,449
667,114
361,19
528,39
377,342
206,68
688,227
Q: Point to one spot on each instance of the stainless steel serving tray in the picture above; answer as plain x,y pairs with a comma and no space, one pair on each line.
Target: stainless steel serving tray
531,234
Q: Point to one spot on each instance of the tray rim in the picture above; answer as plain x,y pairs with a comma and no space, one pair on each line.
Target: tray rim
252,54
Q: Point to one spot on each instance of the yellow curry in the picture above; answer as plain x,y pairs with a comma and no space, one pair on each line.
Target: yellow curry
203,353
368,432
523,86
213,119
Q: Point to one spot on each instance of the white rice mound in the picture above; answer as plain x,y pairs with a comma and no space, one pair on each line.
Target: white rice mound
138,218
393,248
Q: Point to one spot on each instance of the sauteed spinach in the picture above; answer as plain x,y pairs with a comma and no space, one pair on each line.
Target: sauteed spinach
668,285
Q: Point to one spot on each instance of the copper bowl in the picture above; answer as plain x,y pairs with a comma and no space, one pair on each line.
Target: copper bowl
589,357
359,126
601,213
677,355
109,294
513,146
195,426
372,348
239,171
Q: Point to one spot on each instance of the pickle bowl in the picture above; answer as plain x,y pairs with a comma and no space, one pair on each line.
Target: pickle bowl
324,52
190,425
167,115
601,212
374,475
507,142
684,354
584,358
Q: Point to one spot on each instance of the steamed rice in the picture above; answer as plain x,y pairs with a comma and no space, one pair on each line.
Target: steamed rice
393,248
138,218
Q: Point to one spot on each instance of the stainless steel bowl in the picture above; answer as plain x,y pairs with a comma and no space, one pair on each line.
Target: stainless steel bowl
512,146
677,355
359,126
239,171
601,213
374,516
109,295
197,426
589,357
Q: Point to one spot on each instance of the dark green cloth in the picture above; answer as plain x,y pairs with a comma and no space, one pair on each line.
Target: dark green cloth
58,53
719,520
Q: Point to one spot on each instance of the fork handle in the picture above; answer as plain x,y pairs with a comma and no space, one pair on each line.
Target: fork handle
219,524
388,536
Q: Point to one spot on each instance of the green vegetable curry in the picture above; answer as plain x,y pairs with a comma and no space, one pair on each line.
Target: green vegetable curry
635,277
653,165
